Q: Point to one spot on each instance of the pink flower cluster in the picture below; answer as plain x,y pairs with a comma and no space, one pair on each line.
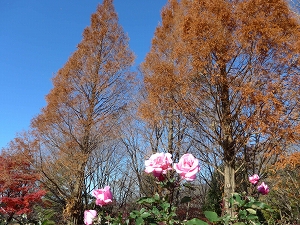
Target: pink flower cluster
262,188
159,163
103,197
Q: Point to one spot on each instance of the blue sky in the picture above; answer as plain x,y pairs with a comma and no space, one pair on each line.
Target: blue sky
36,39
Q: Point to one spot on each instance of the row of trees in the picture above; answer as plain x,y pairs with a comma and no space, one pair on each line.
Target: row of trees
221,81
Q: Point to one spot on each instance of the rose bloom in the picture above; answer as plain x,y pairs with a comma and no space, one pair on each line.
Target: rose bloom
187,167
254,179
158,164
263,189
89,215
103,196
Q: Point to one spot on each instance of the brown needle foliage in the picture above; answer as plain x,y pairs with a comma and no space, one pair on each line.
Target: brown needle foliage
162,77
84,107
233,67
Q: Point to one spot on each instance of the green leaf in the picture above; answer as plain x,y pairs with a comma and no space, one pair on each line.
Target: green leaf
145,214
165,205
146,200
231,202
237,197
48,222
212,216
134,214
185,199
226,218
243,214
139,221
258,205
155,211
252,217
195,221
156,196
251,199
239,223
142,210
251,211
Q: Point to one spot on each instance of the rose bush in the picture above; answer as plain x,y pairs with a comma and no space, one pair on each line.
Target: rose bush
158,164
160,209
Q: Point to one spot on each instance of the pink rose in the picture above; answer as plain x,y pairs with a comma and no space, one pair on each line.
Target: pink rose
158,164
89,215
187,167
263,189
254,179
103,196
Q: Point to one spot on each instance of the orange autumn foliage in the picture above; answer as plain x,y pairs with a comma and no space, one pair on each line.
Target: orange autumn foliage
232,68
84,107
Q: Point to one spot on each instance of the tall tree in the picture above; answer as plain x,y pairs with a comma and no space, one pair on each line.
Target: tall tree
238,77
84,107
245,76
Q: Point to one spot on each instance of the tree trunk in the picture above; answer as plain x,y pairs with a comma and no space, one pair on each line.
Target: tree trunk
227,141
170,133
75,208
229,187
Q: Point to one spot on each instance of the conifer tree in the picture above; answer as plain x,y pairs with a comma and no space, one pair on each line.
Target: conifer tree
237,78
84,107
